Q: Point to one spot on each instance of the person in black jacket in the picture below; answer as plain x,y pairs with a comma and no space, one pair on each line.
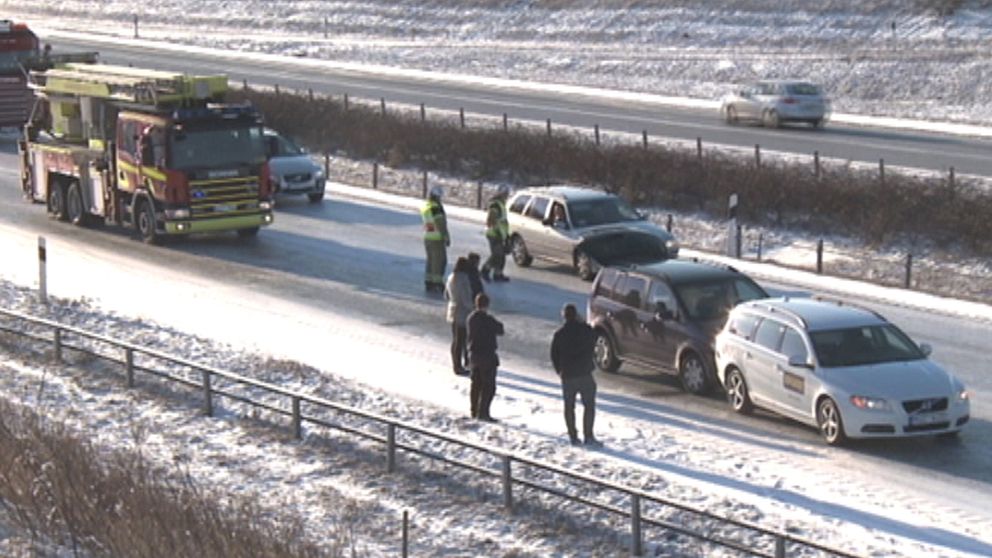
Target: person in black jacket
572,356
475,280
482,332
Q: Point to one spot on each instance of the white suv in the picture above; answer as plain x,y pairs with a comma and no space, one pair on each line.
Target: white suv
843,369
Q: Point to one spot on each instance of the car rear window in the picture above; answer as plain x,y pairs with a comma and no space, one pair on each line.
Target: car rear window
519,204
802,89
604,286
538,209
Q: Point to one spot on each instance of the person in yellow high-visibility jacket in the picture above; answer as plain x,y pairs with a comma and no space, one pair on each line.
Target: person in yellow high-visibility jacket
436,241
498,235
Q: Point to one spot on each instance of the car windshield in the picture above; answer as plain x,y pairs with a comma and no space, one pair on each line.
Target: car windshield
284,147
711,300
216,147
802,89
858,346
589,213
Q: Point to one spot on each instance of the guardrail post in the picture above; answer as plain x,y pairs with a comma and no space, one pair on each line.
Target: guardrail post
909,270
816,164
391,447
595,131
757,155
507,483
208,396
57,344
644,141
819,256
297,419
406,533
129,366
42,271
461,116
635,526
375,176
779,547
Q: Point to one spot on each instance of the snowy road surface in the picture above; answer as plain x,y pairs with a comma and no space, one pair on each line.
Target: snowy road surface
337,286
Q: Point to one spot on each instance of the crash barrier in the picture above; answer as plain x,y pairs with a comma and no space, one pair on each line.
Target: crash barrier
642,510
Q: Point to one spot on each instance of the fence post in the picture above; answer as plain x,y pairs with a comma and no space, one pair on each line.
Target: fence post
819,256
644,139
327,165
310,93
57,344
668,223
129,366
244,84
391,447
406,533
881,170
506,123
507,484
761,238
757,155
737,245
135,26
549,127
699,148
425,185
909,270
346,102
635,526
950,177
325,26
595,130
277,89
779,547
208,395
297,419
478,195
816,164
461,116
423,112
382,105
375,176
42,271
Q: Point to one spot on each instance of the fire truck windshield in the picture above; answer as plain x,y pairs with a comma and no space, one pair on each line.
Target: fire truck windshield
201,148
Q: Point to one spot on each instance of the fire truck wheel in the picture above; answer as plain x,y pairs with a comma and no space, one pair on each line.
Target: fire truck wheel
74,207
56,202
145,222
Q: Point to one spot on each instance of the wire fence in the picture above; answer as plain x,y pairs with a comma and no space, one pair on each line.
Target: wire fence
523,480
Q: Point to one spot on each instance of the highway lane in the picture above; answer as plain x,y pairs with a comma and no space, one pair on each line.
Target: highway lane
930,151
360,259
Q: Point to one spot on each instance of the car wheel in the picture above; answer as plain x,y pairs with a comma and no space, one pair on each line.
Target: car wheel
518,249
830,423
56,202
74,208
316,197
730,115
605,353
737,392
584,266
145,222
692,374
771,119
250,232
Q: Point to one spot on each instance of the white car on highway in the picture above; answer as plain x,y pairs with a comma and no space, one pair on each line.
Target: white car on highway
775,102
844,369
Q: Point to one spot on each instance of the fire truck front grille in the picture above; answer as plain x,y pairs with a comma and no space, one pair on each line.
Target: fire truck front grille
224,197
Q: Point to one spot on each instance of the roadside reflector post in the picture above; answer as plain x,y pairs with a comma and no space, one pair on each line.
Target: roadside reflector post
819,256
208,396
297,419
42,271
507,483
129,366
391,447
635,526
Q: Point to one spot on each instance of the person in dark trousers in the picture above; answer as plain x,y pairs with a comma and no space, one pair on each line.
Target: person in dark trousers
458,291
482,332
475,280
572,350
498,235
436,241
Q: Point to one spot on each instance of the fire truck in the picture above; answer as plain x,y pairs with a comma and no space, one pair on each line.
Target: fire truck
157,152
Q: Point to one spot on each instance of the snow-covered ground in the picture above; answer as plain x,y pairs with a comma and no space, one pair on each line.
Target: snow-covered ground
880,57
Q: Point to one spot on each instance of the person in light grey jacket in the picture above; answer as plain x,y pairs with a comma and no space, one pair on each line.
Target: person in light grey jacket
458,291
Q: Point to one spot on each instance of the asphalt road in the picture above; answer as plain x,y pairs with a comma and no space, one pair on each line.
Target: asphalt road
930,151
302,258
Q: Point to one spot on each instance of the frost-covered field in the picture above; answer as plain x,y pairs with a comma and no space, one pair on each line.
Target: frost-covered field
882,57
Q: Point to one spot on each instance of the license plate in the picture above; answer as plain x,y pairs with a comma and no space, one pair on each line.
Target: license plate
928,418
225,207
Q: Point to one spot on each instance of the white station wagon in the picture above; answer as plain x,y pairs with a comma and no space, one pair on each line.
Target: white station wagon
843,369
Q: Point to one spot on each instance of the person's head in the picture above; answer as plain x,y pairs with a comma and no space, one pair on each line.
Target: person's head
502,191
436,193
461,265
474,259
482,301
569,312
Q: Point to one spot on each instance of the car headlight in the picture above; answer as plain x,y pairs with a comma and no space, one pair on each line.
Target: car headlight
177,213
672,246
963,395
319,174
870,403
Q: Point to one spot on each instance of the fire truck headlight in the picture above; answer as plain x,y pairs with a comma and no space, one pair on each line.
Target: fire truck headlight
266,205
177,213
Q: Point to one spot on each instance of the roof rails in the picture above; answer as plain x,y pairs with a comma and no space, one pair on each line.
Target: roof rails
777,310
840,302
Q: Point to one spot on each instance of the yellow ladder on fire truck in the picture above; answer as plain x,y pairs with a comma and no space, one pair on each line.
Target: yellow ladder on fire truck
152,88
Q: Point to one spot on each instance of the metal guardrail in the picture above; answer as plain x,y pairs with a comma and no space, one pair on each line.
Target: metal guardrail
760,541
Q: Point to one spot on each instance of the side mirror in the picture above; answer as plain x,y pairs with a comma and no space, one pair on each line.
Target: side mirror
926,349
797,361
